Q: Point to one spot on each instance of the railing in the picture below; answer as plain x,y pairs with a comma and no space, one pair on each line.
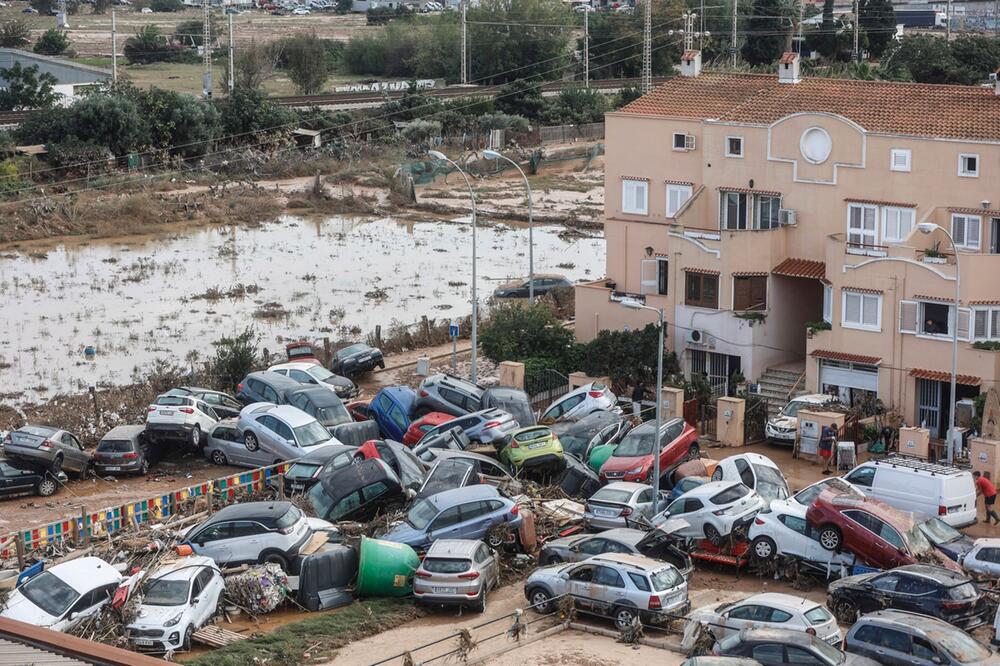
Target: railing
568,133
866,249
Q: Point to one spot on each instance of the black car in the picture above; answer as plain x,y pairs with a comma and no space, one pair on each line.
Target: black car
307,470
454,438
946,539
777,647
357,492
521,288
355,359
918,588
23,478
320,403
511,400
581,436
577,479
909,639
448,474
407,466
266,386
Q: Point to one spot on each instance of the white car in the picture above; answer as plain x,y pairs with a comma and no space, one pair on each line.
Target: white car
783,531
180,417
783,428
713,510
757,472
300,11
984,558
770,610
62,597
314,374
589,398
177,600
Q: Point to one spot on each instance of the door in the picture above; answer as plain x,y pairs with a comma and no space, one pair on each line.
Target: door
204,596
476,519
929,405
741,617
249,538
205,415
883,593
447,525
581,585
608,588
795,540
75,458
211,541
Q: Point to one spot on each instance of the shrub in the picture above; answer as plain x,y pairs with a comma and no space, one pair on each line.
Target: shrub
52,42
234,358
517,331
14,34
148,45
166,5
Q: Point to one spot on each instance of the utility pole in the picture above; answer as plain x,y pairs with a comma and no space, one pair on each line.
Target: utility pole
232,73
647,48
61,21
465,46
857,21
114,47
586,49
688,33
947,29
798,47
701,37
206,48
732,39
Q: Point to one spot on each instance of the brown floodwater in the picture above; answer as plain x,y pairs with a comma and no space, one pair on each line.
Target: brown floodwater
138,299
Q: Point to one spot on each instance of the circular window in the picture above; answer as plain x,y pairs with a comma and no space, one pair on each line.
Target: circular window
815,145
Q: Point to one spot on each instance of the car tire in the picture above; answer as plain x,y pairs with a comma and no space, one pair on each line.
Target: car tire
381,365
480,606
846,611
624,617
47,486
57,464
764,549
219,458
188,633
251,442
540,600
196,436
144,467
829,538
276,558
493,540
712,534
88,470
694,451
717,474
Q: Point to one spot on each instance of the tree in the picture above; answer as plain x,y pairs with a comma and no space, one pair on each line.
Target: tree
521,98
247,112
627,357
235,357
765,29
616,41
306,64
518,331
826,41
924,58
26,88
113,122
878,20
166,5
14,34
253,64
101,6
52,42
191,33
976,57
178,121
529,47
148,45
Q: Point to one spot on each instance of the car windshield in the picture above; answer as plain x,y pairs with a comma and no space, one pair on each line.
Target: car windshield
939,532
334,414
830,653
159,592
639,442
770,485
50,593
730,494
422,513
291,517
808,495
347,351
311,434
115,446
917,542
960,645
301,471
665,578
319,500
171,400
607,494
446,566
320,373
575,444
792,408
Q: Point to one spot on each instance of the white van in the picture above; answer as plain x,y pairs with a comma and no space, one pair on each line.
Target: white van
910,484
783,427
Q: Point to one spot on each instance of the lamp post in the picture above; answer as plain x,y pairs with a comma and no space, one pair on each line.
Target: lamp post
927,228
636,305
475,307
494,155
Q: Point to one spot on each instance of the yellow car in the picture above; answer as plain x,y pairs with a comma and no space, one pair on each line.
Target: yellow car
535,446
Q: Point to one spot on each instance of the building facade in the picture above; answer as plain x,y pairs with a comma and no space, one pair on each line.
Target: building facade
798,225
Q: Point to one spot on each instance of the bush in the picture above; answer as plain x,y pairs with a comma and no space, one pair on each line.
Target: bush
420,131
517,331
234,358
14,34
52,43
305,62
166,5
627,357
148,45
190,33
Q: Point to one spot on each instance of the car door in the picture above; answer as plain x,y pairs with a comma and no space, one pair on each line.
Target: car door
892,648
741,617
212,541
673,448
78,612
860,535
249,539
205,415
486,561
925,654
75,458
690,509
203,597
644,503
986,560
581,584
398,422
881,595
891,543
267,434
911,594
574,406
608,587
447,525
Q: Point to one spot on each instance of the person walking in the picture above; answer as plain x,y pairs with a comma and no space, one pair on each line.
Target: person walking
638,393
986,488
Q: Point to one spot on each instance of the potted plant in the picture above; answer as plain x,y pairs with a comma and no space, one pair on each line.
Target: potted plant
932,255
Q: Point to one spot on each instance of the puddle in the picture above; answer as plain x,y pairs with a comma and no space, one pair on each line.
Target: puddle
134,300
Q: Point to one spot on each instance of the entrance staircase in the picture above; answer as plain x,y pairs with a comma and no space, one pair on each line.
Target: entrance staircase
778,384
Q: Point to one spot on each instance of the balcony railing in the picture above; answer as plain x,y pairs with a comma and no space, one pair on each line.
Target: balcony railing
866,249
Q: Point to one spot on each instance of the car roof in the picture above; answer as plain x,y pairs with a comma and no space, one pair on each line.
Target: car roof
650,426
341,482
917,621
38,430
880,509
622,535
505,391
274,379
782,601
318,395
759,634
988,541
85,573
445,454
636,561
710,488
453,548
124,431
449,498
248,510
445,378
185,568
814,397
403,394
293,416
934,573
326,453
632,486
752,458
591,422
292,365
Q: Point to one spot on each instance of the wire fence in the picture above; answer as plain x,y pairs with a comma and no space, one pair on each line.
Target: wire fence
571,133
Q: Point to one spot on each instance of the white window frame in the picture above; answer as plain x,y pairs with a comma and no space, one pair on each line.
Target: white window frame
673,141
757,198
738,155
860,324
828,303
962,171
630,183
991,323
684,192
862,231
922,320
899,212
724,211
907,160
969,222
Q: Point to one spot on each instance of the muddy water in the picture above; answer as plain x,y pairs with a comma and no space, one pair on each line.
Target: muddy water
132,301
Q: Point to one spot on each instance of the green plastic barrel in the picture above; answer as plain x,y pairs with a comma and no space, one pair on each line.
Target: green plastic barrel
385,568
599,455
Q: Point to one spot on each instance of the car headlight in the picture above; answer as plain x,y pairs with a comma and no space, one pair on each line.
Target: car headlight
173,621
636,470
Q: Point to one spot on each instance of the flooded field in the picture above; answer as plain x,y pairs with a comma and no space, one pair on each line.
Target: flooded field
82,313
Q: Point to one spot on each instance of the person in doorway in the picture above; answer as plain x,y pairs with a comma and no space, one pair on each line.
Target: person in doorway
638,393
986,488
827,440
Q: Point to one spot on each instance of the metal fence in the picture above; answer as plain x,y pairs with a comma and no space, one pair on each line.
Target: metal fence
755,419
544,386
571,133
708,420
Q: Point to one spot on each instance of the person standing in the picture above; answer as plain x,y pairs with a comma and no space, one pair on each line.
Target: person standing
638,393
986,488
827,440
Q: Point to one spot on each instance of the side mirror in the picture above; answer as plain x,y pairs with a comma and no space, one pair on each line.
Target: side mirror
73,616
574,548
194,602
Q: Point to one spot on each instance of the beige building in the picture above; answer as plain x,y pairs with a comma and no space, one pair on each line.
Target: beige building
749,206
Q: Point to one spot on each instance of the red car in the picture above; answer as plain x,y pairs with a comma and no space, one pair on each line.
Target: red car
421,426
301,351
359,410
878,534
632,460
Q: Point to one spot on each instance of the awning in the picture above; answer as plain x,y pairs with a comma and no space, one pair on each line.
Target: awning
750,190
879,202
703,271
942,376
845,356
804,268
750,274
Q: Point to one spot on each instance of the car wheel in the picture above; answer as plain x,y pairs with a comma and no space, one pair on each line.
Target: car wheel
764,548
57,465
46,487
188,633
846,611
694,451
541,600
144,467
830,538
717,474
481,602
219,458
196,436
88,470
250,441
495,540
624,617
712,534
381,365
276,558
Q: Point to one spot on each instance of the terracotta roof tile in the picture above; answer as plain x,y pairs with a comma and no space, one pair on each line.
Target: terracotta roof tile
985,302
844,356
975,211
703,271
879,202
806,268
690,55
942,376
925,297
787,58
748,190
862,290
671,181
750,274
917,109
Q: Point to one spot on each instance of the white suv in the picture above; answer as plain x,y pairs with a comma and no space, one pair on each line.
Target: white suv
180,417
714,510
783,428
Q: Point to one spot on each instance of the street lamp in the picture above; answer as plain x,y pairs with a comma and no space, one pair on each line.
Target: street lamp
494,155
636,305
475,309
928,228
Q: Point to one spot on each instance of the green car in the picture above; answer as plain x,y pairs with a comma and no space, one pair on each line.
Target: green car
599,455
535,446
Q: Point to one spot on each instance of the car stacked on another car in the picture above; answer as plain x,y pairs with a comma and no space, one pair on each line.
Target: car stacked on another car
313,374
457,572
392,409
771,609
275,433
357,492
180,418
511,400
657,544
448,394
424,425
533,447
632,460
714,510
125,449
266,387
52,448
225,405
621,504
579,402
22,478
491,427
757,472
601,428
305,472
356,359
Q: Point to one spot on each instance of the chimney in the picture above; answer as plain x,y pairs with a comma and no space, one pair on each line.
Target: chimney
788,68
691,63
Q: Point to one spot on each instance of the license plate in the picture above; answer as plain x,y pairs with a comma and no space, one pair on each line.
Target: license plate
607,513
167,412
113,469
297,486
537,446
446,590
143,641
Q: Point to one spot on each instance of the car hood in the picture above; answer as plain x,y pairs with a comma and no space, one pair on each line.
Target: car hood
20,608
405,533
155,616
339,382
783,422
546,571
705,614
564,542
958,547
620,463
849,581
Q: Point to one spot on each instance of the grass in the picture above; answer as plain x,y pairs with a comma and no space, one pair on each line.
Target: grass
319,635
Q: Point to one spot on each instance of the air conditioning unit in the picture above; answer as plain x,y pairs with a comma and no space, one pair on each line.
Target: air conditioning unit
696,336
786,217
689,142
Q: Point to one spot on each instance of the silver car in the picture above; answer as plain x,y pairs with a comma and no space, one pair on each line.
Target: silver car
275,433
657,544
52,447
587,399
251,533
623,587
449,394
457,572
487,426
621,504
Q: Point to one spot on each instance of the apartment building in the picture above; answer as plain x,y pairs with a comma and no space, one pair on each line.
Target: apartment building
796,226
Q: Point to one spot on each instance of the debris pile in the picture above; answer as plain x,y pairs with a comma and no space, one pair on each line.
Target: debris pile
259,590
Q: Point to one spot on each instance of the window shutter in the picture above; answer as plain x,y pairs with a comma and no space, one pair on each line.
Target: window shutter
852,308
828,303
742,299
964,318
972,232
958,229
981,329
758,292
649,276
909,313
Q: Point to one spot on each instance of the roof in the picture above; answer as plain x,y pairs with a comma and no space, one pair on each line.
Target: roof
84,573
637,561
453,548
623,535
293,416
274,379
632,486
845,356
22,643
249,510
787,636
942,376
184,568
455,496
318,395
806,268
125,431
292,365
934,572
12,652
914,109
785,601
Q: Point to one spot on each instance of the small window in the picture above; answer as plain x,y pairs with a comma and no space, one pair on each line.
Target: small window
862,311
639,581
702,290
965,231
987,324
793,523
635,194
863,477
862,229
935,319
680,141
780,615
608,577
968,165
897,223
750,293
662,276
733,211
734,146
767,212
900,159
828,303
677,196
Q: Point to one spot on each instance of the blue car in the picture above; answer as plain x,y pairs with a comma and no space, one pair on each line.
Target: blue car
391,409
461,513
686,484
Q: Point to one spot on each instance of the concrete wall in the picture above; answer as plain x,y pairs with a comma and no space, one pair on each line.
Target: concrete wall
66,72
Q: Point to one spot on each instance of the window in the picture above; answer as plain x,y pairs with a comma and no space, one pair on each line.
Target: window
862,311
935,319
968,165
900,159
989,555
609,577
654,276
793,523
734,146
734,211
680,141
863,477
634,196
283,430
892,536
702,290
924,650
215,533
584,574
677,195
302,377
746,474
767,212
828,303
780,615
965,231
897,223
862,231
594,546
246,528
639,581
270,395
398,418
800,657
447,518
751,612
662,276
769,653
750,293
